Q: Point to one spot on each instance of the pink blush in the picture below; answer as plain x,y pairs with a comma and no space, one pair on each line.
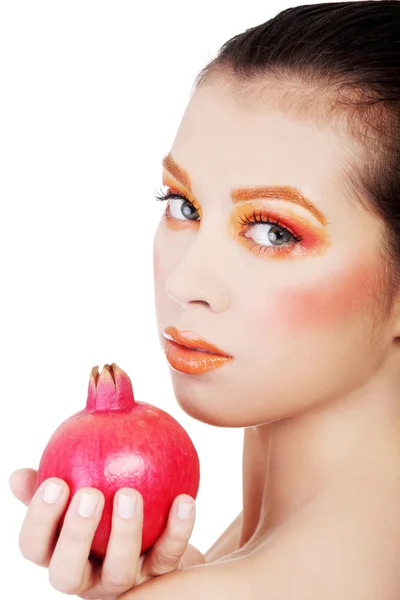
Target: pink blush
327,303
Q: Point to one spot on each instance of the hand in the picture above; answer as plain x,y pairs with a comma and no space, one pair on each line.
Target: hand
71,568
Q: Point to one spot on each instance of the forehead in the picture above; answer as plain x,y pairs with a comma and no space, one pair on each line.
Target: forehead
243,137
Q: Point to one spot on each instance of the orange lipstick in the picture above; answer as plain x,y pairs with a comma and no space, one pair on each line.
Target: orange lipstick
189,353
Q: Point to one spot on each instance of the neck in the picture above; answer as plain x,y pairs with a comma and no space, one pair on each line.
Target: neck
352,441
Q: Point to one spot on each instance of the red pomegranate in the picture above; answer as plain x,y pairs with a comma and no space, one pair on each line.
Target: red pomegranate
118,442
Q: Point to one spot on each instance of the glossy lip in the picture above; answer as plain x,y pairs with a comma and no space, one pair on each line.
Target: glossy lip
192,362
183,356
192,340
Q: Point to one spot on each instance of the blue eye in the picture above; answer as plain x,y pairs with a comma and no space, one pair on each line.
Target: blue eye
184,208
276,236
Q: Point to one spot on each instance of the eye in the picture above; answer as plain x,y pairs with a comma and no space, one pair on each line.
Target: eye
265,231
179,206
269,235
262,230
177,209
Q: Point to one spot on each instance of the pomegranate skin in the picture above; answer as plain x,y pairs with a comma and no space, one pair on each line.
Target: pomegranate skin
117,442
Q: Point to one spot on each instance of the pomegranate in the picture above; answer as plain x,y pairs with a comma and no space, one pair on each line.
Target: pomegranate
117,442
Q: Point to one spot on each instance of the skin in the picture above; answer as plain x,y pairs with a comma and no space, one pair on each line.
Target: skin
314,380
315,376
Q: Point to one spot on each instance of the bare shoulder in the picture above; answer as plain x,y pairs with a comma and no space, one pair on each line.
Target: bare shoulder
334,549
340,547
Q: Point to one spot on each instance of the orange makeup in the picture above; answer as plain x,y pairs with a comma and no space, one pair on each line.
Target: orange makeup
174,189
308,238
313,240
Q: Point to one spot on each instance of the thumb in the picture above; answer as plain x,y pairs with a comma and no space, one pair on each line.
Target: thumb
23,484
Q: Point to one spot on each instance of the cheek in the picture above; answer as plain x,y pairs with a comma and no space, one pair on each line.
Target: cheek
159,285
326,304
156,264
159,264
163,264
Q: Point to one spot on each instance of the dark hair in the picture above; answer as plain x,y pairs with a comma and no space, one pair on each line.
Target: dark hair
336,60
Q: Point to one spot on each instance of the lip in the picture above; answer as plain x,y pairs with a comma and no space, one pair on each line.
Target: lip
182,355
189,339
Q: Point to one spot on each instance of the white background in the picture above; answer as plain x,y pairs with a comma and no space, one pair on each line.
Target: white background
91,96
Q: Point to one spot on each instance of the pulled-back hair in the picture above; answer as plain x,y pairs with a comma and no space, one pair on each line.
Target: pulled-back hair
335,60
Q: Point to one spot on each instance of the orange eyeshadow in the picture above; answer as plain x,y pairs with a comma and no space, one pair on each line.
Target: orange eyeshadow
314,239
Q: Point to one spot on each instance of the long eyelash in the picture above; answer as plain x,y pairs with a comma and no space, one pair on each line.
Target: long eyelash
162,196
246,221
268,221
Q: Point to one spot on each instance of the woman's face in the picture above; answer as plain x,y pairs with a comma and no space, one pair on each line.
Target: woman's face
297,308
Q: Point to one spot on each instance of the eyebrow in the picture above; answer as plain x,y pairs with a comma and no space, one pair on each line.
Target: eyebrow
275,192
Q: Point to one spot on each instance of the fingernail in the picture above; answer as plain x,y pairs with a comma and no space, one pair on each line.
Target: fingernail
51,492
185,509
87,504
126,505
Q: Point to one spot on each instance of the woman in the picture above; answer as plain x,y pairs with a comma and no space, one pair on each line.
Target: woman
280,246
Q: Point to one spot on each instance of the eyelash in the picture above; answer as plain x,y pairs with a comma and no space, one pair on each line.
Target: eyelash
246,221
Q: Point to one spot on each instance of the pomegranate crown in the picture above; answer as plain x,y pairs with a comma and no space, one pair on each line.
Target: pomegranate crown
111,390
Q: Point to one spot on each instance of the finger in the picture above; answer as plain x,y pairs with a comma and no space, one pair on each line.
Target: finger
70,571
121,561
36,538
166,553
23,484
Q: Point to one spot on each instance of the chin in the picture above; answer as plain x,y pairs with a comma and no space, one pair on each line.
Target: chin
198,396
210,417
200,404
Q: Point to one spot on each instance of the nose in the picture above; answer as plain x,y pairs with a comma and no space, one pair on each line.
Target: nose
198,276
